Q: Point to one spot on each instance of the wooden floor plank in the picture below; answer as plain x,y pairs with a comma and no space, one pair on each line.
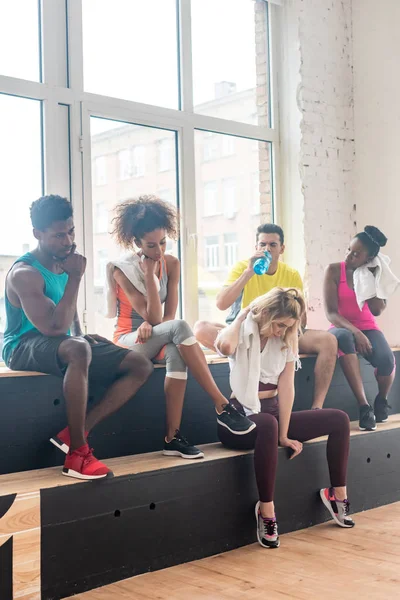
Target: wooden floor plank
361,562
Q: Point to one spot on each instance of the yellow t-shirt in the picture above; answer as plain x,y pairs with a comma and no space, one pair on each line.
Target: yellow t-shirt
258,285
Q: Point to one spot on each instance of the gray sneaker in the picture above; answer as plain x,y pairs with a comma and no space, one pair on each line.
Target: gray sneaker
339,510
267,530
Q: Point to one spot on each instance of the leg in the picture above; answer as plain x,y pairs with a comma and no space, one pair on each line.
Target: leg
264,440
307,425
350,363
324,345
76,355
180,334
206,333
385,369
383,360
174,388
132,372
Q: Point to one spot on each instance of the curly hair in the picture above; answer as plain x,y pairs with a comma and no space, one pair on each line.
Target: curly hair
134,218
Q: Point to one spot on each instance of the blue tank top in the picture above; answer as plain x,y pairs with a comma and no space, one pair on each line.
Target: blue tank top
17,323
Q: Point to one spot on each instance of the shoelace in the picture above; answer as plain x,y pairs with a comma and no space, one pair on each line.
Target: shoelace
88,457
180,438
270,527
346,508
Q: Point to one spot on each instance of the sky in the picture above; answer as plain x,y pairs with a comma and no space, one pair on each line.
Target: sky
130,51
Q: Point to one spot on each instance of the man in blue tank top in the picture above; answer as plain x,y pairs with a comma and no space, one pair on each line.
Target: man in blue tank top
43,334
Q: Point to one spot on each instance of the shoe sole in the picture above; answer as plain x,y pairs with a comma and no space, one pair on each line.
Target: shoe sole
276,544
77,475
334,517
182,455
253,425
59,444
382,420
367,428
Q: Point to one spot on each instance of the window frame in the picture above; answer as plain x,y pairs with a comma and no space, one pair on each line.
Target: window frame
62,84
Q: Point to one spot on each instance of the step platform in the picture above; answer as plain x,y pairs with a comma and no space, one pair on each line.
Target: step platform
33,410
60,536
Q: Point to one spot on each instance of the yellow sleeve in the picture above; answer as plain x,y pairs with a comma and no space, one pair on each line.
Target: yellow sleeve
235,273
297,281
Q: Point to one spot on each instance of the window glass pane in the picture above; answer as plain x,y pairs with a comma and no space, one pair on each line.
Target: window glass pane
19,39
20,181
130,50
126,164
233,197
231,62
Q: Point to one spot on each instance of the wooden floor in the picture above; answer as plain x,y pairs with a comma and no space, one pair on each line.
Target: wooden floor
322,562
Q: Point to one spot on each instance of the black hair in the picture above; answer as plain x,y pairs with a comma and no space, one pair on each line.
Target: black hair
134,218
49,209
271,228
373,239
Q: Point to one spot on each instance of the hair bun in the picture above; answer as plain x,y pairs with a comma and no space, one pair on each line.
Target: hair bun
376,235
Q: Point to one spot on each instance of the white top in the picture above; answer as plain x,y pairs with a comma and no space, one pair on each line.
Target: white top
273,360
249,366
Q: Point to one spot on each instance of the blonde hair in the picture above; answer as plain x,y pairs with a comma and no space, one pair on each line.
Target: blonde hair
280,303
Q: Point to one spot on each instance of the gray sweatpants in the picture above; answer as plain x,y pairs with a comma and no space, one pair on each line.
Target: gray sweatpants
169,334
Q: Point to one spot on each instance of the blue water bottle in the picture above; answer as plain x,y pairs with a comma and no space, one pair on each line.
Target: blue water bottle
261,265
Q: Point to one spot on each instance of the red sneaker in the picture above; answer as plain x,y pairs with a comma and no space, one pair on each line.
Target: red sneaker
62,440
83,465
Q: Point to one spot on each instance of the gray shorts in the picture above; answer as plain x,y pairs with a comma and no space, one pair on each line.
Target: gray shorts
37,352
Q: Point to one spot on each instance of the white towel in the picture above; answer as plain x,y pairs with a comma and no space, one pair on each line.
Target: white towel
129,265
246,366
381,284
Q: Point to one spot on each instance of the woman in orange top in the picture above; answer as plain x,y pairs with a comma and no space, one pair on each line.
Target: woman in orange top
146,323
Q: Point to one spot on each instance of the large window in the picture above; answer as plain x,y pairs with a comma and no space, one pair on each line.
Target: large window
20,181
113,137
104,101
238,198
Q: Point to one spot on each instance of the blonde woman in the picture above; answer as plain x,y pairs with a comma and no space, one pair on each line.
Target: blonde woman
262,346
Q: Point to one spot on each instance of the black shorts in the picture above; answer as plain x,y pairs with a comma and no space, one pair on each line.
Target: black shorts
37,352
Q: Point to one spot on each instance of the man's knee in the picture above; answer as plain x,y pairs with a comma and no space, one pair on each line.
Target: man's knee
199,328
76,350
138,366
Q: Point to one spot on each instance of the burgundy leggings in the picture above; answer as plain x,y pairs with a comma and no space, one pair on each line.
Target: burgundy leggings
304,425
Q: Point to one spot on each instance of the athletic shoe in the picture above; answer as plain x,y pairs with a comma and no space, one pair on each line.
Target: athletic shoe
179,446
339,509
62,440
267,530
367,418
234,421
81,464
381,409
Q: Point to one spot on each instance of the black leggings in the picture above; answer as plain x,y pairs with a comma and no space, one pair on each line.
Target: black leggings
304,425
381,357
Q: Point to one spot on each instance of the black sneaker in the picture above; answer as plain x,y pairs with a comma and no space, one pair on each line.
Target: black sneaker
339,509
267,530
381,409
367,418
179,446
234,421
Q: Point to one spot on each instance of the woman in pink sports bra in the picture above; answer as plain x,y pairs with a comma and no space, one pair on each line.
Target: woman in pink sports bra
356,330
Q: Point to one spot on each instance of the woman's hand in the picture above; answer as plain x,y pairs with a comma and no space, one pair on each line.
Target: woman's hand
363,345
148,266
144,332
296,446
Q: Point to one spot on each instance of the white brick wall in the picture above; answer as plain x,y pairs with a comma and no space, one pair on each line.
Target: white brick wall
325,98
